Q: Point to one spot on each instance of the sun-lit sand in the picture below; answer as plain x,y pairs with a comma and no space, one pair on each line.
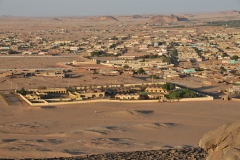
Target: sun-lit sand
71,130
56,131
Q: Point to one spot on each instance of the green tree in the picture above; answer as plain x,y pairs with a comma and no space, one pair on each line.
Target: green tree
235,57
22,91
223,69
126,66
153,76
174,95
175,52
224,55
140,71
12,52
161,43
114,38
95,72
169,86
98,53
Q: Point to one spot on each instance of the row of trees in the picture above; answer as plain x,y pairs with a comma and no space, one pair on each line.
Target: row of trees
231,23
12,52
102,54
169,86
183,93
115,45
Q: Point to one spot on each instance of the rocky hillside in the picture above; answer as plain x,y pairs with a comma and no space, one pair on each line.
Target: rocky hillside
174,154
230,12
222,143
106,18
166,19
136,16
56,19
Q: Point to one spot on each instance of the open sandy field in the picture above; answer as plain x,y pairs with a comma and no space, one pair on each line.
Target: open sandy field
25,62
107,127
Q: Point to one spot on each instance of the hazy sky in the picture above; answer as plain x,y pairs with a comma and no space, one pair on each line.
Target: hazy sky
111,7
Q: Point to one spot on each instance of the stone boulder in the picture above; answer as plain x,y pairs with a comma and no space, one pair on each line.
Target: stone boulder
222,143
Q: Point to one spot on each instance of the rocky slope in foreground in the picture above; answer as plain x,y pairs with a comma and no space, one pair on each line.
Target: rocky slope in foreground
222,143
167,154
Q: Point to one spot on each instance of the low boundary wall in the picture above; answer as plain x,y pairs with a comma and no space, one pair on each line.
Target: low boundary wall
87,101
113,101
208,98
197,99
235,99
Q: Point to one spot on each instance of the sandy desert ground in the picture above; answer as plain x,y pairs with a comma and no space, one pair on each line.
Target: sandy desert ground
26,62
72,130
107,127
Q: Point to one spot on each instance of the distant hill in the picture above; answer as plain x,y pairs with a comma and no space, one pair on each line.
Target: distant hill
166,19
106,18
230,12
56,19
136,16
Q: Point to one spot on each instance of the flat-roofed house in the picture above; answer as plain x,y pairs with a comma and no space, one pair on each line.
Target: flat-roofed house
155,90
127,96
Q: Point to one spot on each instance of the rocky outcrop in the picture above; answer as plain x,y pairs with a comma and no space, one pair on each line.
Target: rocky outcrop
230,12
174,154
137,16
103,19
222,143
107,18
56,19
166,19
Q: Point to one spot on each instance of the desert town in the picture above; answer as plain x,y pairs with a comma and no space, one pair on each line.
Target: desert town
120,74
207,55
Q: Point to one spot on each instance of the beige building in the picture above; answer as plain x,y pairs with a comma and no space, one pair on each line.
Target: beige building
88,94
155,90
53,90
93,61
53,74
159,96
127,96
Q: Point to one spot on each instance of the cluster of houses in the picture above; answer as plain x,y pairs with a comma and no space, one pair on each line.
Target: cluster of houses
87,93
211,54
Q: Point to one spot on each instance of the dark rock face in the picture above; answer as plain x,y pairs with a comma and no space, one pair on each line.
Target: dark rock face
222,143
136,16
182,19
167,154
166,19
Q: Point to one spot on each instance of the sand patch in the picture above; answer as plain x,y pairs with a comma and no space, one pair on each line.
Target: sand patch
116,129
134,113
99,130
26,127
156,125
73,152
110,142
96,131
